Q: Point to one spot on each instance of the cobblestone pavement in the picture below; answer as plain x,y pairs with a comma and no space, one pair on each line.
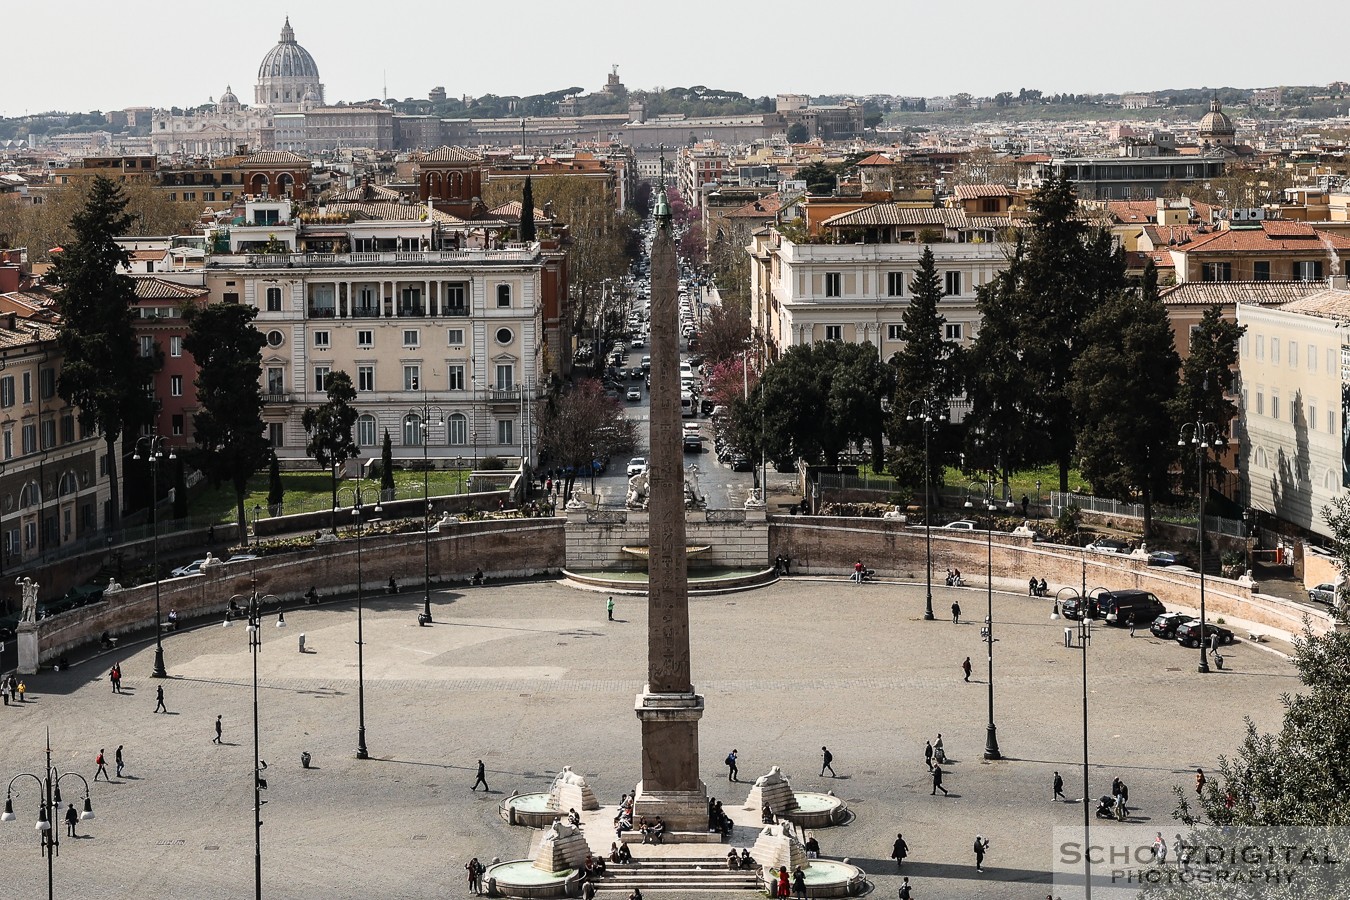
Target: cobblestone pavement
531,677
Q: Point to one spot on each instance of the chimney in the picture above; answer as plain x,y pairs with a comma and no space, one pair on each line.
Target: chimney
1338,283
9,279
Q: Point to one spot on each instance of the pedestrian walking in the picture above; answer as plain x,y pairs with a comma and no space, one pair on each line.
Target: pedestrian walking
482,777
939,753
102,767
115,678
475,870
981,845
1059,789
799,883
965,667
899,850
731,765
928,754
23,690
1199,781
609,608
826,762
1160,849
905,890
956,613
937,782
159,700
71,818
219,728
118,759
1130,622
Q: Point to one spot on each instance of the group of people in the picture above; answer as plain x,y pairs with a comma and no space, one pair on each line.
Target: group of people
619,852
780,885
954,578
1037,588
780,564
718,821
1117,804
738,861
860,572
115,677
12,689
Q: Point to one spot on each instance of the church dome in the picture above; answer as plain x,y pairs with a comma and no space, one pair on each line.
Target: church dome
228,98
288,59
1216,122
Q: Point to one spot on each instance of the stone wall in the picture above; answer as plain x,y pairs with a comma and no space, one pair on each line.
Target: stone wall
508,548
829,546
596,541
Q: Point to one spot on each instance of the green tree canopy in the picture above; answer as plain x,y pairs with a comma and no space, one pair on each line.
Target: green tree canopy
103,372
330,427
1123,390
229,427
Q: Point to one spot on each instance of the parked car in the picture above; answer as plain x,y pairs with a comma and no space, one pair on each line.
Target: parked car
636,466
1323,593
1074,607
243,557
1108,545
192,568
961,525
1188,633
1166,558
634,393
1165,626
741,462
1118,606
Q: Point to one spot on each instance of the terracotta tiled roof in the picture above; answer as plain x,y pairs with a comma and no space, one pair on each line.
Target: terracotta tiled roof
892,214
393,212
510,212
876,159
275,158
451,154
1033,158
365,192
147,254
1163,235
1327,303
1137,259
1228,293
995,222
758,209
973,191
1281,228
159,289
1231,240
1130,212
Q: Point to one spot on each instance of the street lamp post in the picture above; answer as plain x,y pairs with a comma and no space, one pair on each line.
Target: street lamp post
1084,641
991,749
1202,435
358,516
255,604
926,415
425,426
49,809
154,451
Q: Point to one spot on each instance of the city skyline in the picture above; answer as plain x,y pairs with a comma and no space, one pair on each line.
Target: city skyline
1025,46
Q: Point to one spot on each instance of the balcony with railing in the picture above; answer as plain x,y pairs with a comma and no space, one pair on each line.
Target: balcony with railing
507,253
317,311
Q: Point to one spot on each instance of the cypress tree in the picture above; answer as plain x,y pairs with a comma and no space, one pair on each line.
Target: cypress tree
527,233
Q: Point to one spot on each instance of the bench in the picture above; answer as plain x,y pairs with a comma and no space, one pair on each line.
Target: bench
168,626
1256,637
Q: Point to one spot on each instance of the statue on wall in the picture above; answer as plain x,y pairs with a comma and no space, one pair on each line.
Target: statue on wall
29,589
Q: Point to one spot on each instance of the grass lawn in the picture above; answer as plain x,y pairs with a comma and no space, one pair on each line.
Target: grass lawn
1023,484
310,491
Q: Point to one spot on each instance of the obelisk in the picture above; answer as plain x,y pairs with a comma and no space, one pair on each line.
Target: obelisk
668,708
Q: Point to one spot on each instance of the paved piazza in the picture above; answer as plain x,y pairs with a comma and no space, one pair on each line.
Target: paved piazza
530,677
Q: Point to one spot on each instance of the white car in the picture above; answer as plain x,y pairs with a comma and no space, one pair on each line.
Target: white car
636,466
961,525
192,568
634,393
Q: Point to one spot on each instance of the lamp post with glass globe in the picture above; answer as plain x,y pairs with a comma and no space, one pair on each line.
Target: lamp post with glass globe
154,450
424,425
1202,435
48,823
926,411
991,748
358,516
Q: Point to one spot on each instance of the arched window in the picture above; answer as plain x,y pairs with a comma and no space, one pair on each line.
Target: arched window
1329,479
457,430
68,485
1261,458
412,430
365,431
31,495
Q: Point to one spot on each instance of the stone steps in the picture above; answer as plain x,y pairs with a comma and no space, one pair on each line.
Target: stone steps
696,874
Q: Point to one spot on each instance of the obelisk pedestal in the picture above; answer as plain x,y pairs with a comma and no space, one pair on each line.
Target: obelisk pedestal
27,635
668,708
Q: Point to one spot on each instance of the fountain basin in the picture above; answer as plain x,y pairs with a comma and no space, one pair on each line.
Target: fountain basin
531,810
702,580
816,810
519,878
831,878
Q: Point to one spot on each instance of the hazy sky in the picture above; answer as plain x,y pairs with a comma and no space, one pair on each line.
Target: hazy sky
79,55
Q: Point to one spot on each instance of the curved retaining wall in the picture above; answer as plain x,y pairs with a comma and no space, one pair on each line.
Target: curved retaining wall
520,548
506,548
829,546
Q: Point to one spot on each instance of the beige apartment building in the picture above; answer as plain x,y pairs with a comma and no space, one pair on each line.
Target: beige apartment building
1295,358
435,319
853,283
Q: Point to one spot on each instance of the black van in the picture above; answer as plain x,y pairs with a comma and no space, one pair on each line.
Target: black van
1117,607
